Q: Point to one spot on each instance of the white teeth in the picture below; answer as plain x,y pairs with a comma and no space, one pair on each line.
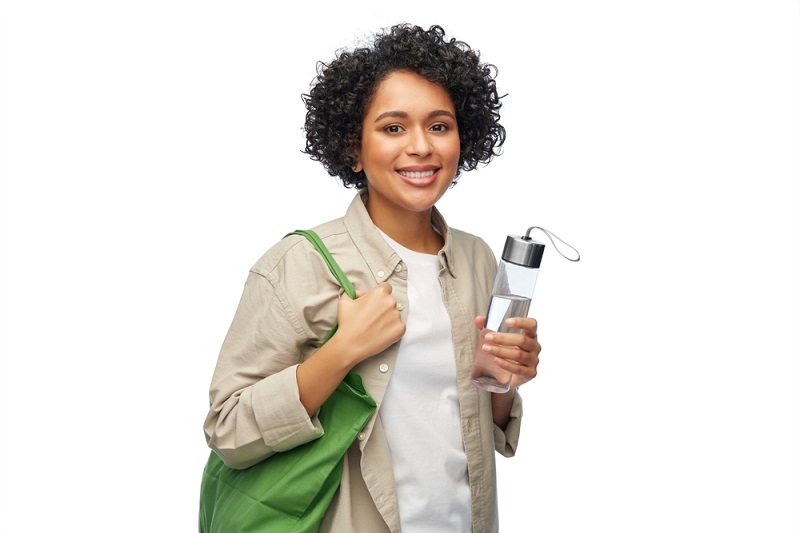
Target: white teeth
416,175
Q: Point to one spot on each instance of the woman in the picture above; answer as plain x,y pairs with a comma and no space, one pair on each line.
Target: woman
399,121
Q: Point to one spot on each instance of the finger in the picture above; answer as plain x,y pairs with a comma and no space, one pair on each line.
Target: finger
511,340
522,372
513,353
385,286
527,324
480,321
515,367
515,346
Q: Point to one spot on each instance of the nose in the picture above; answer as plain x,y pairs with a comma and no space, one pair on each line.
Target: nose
418,143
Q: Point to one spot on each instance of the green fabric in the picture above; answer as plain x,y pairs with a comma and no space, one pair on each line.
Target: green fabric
289,491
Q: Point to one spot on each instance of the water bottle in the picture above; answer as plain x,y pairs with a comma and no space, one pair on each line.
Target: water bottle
511,297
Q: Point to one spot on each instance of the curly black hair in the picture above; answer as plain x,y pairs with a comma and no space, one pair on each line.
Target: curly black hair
342,90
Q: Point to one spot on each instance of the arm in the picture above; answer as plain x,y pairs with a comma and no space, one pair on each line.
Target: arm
263,398
501,407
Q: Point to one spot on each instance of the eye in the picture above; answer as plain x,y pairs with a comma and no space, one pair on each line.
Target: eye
393,128
440,127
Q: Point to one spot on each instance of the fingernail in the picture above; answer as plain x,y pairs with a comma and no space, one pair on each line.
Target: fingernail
489,337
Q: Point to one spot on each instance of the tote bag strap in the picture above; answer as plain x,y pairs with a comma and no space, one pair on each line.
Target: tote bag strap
334,267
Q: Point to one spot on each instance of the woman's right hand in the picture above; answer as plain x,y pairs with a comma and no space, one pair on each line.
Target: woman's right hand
367,326
370,323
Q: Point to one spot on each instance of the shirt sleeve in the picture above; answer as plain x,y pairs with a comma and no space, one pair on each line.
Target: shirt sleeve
255,407
505,442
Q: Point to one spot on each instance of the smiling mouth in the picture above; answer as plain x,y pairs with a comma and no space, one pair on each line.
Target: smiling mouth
416,175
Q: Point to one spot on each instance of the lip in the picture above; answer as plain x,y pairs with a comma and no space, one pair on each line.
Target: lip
411,175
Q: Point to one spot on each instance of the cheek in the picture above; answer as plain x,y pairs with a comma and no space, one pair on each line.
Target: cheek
377,152
453,151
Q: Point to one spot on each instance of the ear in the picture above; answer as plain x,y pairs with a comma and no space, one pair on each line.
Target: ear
358,167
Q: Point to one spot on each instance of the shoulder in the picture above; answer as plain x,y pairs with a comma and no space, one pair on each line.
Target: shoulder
471,258
297,252
471,245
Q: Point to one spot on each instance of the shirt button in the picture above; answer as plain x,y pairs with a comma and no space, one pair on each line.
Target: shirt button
398,268
399,306
362,436
384,368
380,274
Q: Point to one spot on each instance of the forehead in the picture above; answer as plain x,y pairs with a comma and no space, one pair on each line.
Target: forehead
406,91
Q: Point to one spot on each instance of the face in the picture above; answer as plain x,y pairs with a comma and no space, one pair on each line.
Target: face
409,146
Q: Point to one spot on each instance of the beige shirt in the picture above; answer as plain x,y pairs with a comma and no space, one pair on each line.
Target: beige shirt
288,305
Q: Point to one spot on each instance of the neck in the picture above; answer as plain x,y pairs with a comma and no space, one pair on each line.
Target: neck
412,230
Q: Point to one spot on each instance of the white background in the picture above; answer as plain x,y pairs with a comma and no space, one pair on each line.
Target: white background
151,153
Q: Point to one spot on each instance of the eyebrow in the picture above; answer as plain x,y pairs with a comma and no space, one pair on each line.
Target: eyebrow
403,114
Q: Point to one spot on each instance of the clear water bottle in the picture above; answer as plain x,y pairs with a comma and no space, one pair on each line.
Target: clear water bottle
511,297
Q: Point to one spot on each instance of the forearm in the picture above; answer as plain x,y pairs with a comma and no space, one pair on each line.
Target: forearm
501,408
319,375
506,434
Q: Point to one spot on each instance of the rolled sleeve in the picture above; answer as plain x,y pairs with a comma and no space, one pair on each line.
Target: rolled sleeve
279,413
274,404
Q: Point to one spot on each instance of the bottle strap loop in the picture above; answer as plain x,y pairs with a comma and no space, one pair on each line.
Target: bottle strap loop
550,236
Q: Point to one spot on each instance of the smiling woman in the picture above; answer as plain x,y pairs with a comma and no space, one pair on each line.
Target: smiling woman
399,121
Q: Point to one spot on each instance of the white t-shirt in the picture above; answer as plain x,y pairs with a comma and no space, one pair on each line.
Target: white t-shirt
420,411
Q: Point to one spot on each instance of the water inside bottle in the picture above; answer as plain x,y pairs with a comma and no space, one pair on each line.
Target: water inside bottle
486,374
503,306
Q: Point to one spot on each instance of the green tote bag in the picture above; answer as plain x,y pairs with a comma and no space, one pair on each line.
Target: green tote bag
290,491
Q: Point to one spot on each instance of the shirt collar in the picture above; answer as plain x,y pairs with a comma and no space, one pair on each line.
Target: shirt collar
367,238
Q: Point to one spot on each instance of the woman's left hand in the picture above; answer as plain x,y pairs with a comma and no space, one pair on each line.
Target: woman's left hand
516,352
